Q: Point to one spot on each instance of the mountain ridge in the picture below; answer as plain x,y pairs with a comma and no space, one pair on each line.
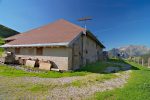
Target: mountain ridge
130,50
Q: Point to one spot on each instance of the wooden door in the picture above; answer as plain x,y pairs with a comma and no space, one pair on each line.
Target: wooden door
76,57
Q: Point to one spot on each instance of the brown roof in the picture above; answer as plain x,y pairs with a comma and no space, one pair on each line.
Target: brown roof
13,37
57,32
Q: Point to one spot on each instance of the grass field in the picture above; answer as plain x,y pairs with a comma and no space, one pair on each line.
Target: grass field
137,88
12,72
99,66
20,84
86,70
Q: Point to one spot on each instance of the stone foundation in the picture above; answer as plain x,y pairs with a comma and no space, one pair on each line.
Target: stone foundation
59,62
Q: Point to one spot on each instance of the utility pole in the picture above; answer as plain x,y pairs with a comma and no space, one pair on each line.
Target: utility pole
84,49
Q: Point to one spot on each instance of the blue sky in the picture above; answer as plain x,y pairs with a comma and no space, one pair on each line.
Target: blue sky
115,22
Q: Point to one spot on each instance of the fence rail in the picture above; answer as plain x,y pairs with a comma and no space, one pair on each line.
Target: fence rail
141,60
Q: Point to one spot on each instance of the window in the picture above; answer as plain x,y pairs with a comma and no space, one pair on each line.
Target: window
17,50
39,51
31,51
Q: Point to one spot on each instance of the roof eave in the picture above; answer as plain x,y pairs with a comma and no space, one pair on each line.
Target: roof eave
95,38
64,44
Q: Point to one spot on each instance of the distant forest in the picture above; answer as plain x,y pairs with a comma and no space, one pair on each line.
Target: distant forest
6,32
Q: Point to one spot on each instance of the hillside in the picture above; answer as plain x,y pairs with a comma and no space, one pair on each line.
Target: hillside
1,41
131,50
6,32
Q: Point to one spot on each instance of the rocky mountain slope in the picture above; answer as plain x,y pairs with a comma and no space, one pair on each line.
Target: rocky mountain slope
131,50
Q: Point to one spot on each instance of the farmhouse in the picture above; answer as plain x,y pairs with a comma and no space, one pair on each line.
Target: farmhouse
67,45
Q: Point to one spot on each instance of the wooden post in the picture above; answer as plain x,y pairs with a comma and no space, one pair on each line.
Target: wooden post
138,60
142,62
148,62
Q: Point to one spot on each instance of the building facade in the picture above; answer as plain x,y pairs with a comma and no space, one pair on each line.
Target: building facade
72,52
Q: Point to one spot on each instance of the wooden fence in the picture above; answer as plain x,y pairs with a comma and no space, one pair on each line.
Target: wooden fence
142,61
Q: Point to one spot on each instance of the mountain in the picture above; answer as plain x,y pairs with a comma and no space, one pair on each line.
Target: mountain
135,50
131,50
6,32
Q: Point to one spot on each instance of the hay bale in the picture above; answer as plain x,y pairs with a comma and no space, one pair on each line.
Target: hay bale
45,65
30,63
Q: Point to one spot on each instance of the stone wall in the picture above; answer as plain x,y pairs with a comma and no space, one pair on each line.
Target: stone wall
60,56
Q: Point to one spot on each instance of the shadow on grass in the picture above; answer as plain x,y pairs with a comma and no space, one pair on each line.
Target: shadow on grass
124,62
99,67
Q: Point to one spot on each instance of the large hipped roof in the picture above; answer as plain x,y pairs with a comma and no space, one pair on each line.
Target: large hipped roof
56,33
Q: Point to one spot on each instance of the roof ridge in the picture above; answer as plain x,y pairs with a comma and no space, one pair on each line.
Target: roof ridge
70,23
26,32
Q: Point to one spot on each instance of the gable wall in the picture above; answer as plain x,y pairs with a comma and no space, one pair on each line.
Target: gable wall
93,50
85,50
